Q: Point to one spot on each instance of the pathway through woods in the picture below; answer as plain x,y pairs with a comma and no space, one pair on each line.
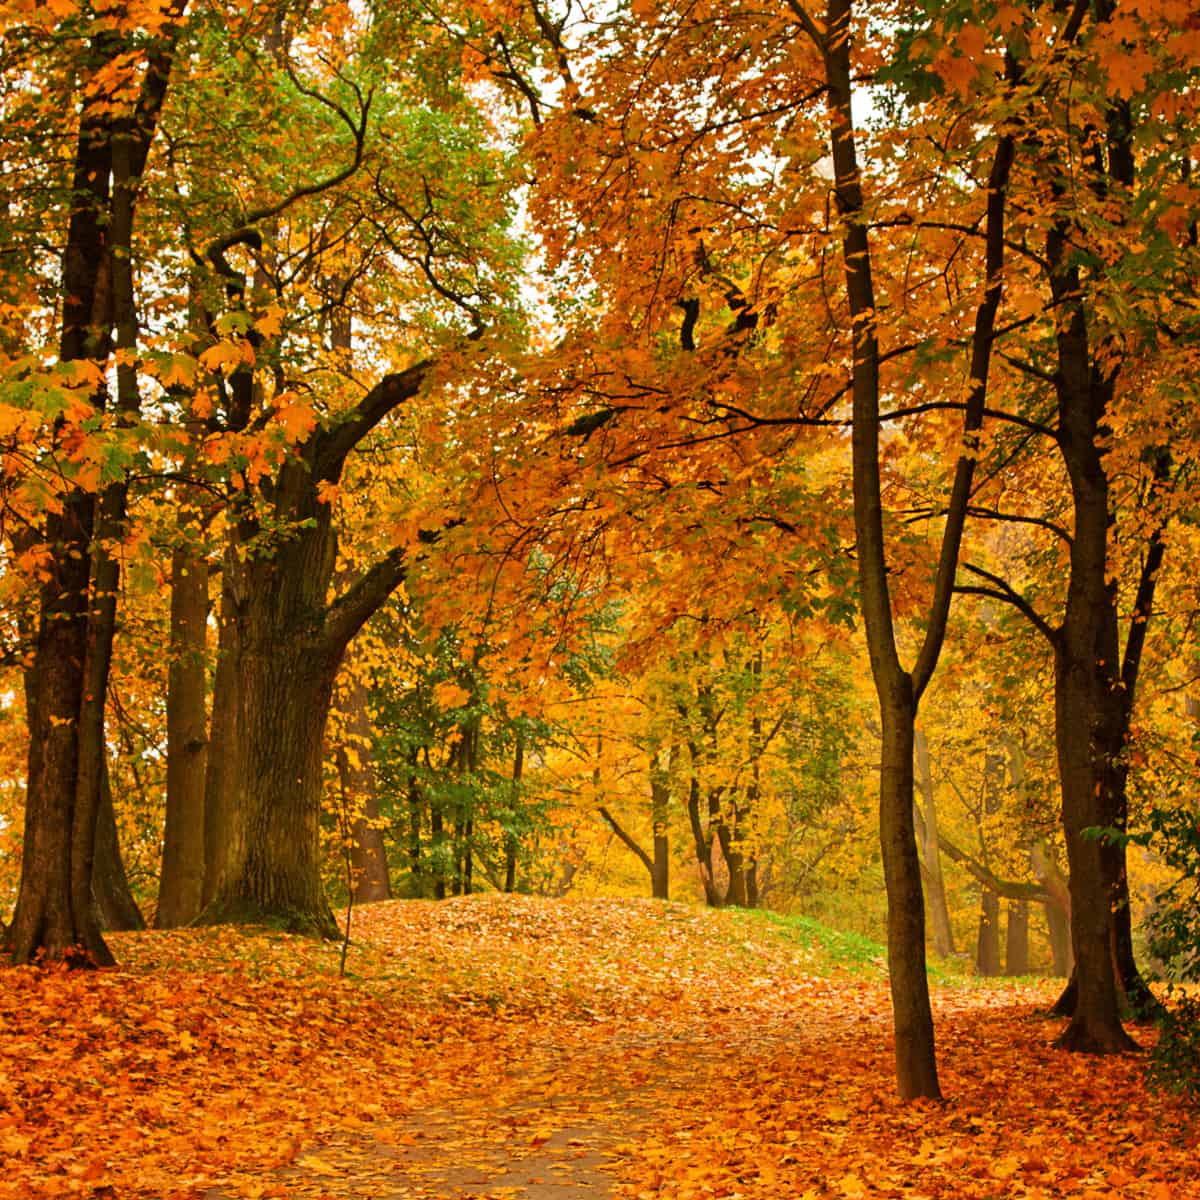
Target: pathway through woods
507,1047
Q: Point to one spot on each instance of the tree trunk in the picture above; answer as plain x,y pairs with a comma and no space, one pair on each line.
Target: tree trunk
916,1062
898,691
1058,925
1058,908
987,950
1095,1025
368,852
116,908
753,894
703,842
275,874
437,846
1086,679
1016,943
468,855
285,665
511,844
286,650
66,683
181,889
660,872
930,852
735,859
415,805
1089,728
224,770
46,921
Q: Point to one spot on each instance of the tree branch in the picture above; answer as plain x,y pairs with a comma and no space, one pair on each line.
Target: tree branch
981,353
1002,590
612,824
350,611
1009,889
992,514
331,446
814,31
1143,601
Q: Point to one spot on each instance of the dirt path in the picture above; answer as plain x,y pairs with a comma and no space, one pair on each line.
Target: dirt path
565,1119
556,1126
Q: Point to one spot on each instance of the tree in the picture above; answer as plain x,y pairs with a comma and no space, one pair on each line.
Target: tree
120,108
1108,295
900,690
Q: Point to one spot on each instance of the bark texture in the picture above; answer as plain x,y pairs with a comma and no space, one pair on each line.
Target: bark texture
286,643
356,777
116,908
987,949
181,888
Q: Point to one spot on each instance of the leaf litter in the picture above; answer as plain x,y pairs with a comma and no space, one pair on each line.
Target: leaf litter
503,1046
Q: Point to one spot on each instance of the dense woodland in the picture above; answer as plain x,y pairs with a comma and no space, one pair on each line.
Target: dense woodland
740,453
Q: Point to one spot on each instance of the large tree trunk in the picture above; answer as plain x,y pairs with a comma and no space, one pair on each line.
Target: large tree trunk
275,874
1095,1024
284,652
286,663
47,920
1093,687
1086,672
181,889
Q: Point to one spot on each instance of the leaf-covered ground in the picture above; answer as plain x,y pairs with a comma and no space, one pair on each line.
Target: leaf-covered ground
512,1047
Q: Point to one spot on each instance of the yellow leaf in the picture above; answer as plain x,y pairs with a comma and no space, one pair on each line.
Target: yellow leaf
450,695
224,357
270,324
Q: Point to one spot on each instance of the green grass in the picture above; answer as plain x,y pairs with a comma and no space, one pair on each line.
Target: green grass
836,952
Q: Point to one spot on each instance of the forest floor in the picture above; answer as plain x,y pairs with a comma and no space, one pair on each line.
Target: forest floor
546,1050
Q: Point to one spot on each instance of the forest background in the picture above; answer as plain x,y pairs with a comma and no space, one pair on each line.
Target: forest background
455,447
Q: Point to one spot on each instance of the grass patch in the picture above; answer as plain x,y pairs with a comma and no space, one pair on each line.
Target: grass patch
837,952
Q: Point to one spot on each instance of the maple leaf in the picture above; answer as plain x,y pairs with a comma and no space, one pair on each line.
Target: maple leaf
1128,69
227,357
295,417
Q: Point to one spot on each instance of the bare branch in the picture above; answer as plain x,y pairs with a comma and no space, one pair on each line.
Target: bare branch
1002,590
625,837
993,514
